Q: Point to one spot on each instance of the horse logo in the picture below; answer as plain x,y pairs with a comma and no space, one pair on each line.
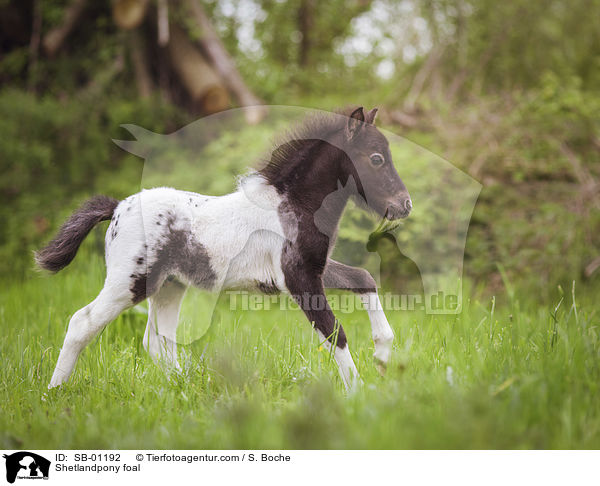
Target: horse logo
28,464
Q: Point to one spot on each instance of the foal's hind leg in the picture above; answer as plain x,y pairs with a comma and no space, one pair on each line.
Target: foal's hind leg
358,280
160,338
84,326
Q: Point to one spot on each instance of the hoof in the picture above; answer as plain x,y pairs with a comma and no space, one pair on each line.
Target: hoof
381,366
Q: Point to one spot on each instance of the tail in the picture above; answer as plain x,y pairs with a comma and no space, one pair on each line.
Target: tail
63,248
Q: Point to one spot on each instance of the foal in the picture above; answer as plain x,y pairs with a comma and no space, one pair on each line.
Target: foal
274,234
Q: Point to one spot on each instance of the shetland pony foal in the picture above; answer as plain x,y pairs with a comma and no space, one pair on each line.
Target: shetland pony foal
274,234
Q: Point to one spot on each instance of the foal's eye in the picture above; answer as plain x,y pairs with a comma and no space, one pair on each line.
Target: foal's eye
377,159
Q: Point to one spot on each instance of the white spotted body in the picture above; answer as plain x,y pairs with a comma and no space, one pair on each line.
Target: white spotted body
241,233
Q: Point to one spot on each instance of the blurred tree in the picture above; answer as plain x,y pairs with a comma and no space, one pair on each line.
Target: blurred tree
299,37
70,30
508,45
509,91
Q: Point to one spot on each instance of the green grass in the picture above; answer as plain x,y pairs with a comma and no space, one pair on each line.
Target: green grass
514,377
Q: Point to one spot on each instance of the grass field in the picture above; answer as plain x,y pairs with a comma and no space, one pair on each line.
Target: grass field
514,375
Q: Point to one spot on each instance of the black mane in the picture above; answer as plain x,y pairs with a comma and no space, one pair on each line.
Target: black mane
292,148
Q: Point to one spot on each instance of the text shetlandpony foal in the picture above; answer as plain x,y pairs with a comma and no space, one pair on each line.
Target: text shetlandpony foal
274,234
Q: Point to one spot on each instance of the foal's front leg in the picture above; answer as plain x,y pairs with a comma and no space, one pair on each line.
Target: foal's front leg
308,291
358,280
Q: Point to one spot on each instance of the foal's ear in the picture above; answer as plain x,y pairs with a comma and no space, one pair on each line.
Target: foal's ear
355,122
370,116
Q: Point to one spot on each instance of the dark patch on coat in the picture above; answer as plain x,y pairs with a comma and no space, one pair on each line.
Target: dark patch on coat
308,169
138,287
303,262
113,226
175,280
176,253
129,202
304,254
62,249
268,288
306,287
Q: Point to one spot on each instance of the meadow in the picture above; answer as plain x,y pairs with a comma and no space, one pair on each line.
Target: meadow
485,103
508,372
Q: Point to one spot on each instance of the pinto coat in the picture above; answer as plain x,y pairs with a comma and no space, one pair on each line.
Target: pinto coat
274,234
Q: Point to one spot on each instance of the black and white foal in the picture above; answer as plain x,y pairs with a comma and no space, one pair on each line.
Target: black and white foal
274,234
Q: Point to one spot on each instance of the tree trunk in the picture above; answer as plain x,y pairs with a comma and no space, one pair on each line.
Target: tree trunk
224,65
129,14
162,12
54,39
103,78
410,101
305,25
34,45
200,81
143,78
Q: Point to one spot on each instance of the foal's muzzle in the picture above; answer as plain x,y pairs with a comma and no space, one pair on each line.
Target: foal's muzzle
399,209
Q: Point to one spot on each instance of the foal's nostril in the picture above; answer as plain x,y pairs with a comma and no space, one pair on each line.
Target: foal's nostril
400,208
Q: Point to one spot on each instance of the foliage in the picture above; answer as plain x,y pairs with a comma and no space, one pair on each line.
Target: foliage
538,159
52,155
503,46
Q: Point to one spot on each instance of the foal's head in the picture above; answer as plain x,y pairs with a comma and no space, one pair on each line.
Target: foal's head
369,160
329,150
